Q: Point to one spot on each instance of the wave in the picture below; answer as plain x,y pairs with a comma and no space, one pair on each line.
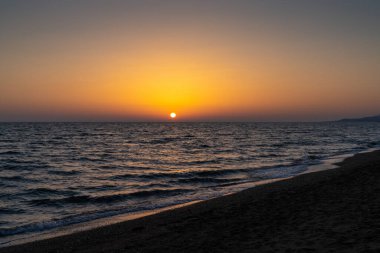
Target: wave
7,140
20,179
6,210
164,140
12,178
47,191
200,162
64,172
373,144
88,159
83,199
10,152
113,167
80,218
20,164
188,174
206,180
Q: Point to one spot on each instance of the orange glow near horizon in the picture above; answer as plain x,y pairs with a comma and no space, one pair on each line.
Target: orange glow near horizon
198,86
156,83
235,60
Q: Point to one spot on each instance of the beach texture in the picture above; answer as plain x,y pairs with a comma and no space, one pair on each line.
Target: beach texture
330,211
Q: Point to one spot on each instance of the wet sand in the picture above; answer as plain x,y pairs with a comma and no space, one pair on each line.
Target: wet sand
329,211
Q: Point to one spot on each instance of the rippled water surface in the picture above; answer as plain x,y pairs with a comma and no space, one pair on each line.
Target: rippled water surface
55,174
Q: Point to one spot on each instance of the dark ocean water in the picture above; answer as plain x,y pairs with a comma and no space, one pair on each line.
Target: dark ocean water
57,174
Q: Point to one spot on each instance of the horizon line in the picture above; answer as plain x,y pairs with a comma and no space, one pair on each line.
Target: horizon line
173,121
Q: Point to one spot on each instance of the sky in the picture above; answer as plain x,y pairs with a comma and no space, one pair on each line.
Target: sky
206,60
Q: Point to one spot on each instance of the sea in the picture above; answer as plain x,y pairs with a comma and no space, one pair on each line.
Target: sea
57,175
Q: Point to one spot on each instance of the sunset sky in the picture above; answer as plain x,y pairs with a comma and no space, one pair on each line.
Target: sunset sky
205,60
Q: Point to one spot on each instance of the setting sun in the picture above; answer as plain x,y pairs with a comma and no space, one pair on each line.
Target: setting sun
120,106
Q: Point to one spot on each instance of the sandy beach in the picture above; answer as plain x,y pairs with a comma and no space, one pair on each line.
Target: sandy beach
330,211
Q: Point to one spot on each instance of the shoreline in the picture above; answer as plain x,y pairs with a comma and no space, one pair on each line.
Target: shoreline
18,239
190,215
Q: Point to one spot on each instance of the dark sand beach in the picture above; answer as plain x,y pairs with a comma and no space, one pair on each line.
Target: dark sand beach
330,211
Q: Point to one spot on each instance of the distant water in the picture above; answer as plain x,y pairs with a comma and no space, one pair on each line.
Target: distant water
56,174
